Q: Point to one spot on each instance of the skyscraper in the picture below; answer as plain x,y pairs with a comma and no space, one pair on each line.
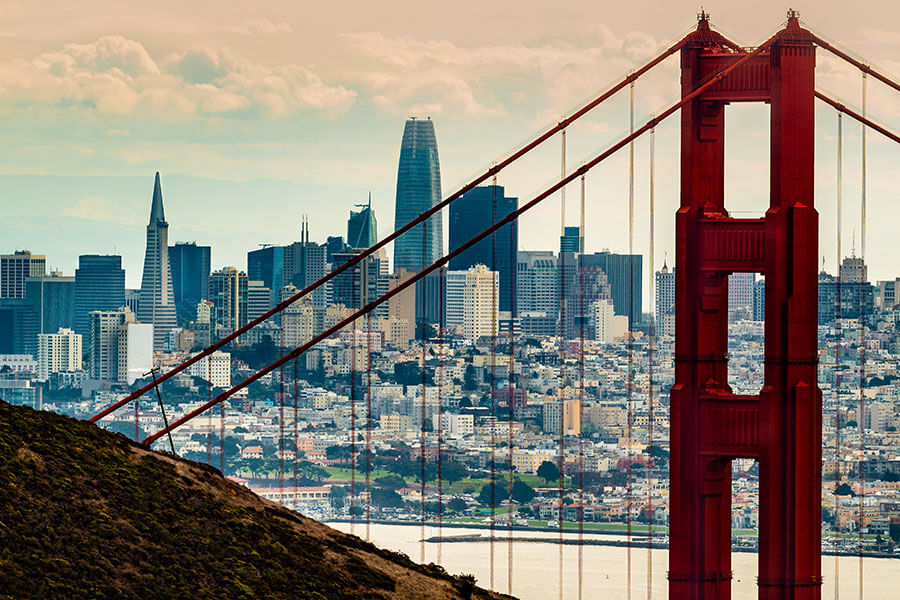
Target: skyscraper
479,311
472,213
665,301
304,264
228,293
362,228
157,304
622,284
190,272
99,285
16,268
267,265
571,240
418,189
740,295
53,300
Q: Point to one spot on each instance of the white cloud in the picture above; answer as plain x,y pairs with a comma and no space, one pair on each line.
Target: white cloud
11,10
257,26
118,76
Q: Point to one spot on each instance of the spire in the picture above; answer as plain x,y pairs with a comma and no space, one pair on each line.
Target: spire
157,215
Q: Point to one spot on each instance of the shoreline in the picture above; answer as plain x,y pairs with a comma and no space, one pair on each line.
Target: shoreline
597,537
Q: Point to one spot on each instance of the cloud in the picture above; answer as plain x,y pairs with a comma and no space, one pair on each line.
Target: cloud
94,208
406,73
257,26
11,10
118,76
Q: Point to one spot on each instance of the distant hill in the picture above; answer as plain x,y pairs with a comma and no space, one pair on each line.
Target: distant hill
85,513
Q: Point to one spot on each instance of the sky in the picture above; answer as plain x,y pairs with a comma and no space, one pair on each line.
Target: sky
258,113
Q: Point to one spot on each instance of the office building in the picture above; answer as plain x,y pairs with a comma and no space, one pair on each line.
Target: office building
454,287
740,295
572,240
363,282
214,368
267,265
606,325
759,299
418,189
298,324
664,307
58,352
121,348
157,303
305,263
190,276
260,299
16,268
623,274
18,326
537,283
480,293
562,417
228,293
472,213
362,227
53,300
99,285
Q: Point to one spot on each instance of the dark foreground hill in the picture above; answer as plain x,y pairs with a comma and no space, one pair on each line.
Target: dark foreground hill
85,513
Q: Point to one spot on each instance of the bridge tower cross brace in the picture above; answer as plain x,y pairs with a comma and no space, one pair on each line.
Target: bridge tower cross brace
781,427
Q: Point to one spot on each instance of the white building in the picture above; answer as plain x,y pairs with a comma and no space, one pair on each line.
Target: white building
455,425
608,326
58,352
215,368
480,298
135,351
665,301
455,282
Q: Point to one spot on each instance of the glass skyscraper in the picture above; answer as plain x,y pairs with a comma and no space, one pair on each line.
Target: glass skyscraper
362,228
472,213
418,189
190,272
99,285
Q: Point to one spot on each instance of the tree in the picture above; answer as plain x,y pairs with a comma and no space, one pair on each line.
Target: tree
522,492
407,373
337,495
452,471
844,490
386,498
469,380
457,505
390,482
548,471
500,493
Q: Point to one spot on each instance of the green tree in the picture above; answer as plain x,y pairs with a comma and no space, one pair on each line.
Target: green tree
548,471
469,380
337,495
386,498
457,505
500,493
522,492
408,373
391,482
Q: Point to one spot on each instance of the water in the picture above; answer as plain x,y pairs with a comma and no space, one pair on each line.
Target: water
536,565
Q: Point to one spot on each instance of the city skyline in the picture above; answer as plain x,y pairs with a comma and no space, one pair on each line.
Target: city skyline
78,178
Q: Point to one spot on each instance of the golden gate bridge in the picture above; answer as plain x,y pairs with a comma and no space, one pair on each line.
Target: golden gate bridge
781,427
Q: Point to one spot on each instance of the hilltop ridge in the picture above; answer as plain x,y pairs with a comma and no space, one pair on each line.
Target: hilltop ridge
85,513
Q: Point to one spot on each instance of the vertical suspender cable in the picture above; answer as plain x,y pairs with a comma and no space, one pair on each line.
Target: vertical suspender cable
281,424
580,433
209,415
422,437
440,414
493,374
137,427
353,462
651,333
365,294
221,437
562,360
862,347
296,432
629,383
510,399
837,360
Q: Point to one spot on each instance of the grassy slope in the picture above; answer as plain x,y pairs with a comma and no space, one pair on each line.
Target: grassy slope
89,514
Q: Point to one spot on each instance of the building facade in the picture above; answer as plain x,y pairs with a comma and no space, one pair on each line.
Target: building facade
16,268
228,293
190,265
157,303
480,296
58,352
99,285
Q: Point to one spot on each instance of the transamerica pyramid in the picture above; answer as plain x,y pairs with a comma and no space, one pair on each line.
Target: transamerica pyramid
157,302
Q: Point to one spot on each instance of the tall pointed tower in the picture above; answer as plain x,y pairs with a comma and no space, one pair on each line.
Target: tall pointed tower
157,302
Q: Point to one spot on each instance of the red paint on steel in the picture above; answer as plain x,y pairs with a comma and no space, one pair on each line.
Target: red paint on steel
782,426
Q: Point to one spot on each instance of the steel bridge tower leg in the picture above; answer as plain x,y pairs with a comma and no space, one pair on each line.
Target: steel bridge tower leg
710,425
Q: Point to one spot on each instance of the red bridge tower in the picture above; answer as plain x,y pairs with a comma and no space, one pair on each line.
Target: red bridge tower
710,425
